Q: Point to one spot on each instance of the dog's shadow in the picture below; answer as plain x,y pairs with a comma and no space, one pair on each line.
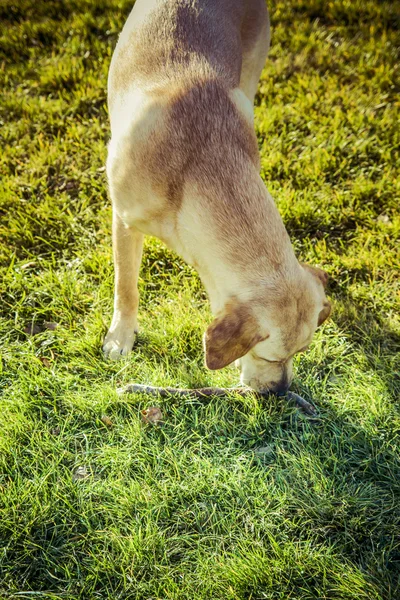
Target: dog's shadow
356,459
373,336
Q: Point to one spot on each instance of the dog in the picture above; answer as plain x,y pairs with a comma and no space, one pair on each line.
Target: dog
183,165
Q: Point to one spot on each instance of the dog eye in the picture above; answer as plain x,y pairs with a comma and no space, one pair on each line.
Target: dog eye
266,359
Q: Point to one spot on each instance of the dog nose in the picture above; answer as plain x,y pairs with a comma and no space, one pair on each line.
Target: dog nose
279,388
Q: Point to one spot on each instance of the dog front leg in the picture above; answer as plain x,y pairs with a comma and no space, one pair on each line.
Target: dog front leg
127,250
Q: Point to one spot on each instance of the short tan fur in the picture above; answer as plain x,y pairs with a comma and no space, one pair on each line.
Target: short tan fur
183,165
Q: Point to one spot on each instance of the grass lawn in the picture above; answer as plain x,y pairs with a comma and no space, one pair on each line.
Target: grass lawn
233,499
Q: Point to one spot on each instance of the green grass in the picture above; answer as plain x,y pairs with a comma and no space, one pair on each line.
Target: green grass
231,499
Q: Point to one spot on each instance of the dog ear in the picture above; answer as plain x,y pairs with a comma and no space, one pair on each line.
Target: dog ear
231,335
325,312
318,273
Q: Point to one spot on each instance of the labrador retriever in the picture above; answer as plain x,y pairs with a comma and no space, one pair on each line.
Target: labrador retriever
183,165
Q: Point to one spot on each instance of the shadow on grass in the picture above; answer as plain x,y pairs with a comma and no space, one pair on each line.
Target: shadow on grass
374,338
340,480
353,17
38,11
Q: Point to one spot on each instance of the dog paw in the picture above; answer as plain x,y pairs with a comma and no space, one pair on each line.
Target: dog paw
119,340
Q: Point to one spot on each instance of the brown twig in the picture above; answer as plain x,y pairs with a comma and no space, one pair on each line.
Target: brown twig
307,407
137,388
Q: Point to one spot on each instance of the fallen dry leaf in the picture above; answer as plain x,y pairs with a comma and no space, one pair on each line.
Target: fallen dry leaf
81,473
45,362
106,420
152,415
29,265
264,450
385,219
33,329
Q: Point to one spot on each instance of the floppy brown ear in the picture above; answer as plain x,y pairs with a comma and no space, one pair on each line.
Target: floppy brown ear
325,312
319,273
231,336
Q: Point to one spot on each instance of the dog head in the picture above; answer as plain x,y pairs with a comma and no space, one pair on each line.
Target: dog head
264,334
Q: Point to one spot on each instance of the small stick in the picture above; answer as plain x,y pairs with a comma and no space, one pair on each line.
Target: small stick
307,407
135,388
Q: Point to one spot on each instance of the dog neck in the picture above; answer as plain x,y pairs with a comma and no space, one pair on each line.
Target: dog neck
245,244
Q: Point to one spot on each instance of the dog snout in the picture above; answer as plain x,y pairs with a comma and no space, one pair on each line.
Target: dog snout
265,378
279,388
